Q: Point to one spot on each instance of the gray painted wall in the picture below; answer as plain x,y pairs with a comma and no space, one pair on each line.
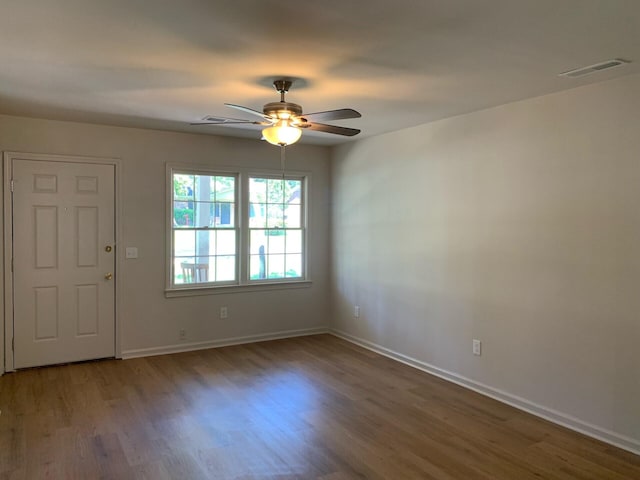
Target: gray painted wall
518,226
148,319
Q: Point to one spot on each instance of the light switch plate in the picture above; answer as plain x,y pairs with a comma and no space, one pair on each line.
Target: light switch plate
131,252
477,347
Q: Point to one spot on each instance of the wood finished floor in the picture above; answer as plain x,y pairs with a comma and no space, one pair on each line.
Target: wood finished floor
304,408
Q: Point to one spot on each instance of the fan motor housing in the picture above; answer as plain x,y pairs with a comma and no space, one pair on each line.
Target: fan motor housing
276,109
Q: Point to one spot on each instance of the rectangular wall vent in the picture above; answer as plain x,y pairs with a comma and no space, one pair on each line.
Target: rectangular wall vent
598,67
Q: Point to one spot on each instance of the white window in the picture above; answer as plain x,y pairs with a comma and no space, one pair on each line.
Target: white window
276,226
234,229
204,228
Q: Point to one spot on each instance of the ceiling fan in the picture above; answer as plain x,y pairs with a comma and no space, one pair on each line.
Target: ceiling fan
284,121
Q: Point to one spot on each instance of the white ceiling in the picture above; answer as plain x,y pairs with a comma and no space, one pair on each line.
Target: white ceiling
165,63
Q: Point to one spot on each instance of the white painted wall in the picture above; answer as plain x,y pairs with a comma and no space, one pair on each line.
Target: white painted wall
148,319
518,226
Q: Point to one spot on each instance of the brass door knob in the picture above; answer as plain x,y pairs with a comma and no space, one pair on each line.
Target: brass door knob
108,276
108,248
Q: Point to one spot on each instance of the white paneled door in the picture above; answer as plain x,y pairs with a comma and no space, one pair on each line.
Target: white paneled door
63,262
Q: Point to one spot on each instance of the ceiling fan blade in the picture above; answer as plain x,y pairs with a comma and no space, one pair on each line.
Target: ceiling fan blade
213,120
321,127
231,122
246,110
341,114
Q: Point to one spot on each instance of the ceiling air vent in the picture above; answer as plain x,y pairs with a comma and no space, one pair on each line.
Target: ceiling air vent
582,71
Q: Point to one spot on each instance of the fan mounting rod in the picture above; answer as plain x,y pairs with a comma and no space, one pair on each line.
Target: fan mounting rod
282,109
282,86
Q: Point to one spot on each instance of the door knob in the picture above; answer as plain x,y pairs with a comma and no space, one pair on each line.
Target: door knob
108,249
108,276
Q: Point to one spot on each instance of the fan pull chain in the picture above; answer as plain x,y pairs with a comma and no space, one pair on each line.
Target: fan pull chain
282,158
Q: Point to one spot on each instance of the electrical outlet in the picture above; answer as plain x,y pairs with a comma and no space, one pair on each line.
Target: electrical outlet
356,311
224,313
477,347
183,334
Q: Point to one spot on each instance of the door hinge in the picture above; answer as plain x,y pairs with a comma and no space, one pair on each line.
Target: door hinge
12,185
13,346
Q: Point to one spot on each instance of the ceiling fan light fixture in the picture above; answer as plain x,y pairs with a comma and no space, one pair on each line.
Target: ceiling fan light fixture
284,120
282,134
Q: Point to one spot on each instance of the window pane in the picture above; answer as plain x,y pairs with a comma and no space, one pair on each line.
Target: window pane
203,214
201,270
226,242
224,215
294,241
258,242
224,189
257,215
184,243
292,216
293,193
182,214
257,190
178,274
258,267
182,187
204,247
293,265
275,216
275,192
276,241
202,188
275,266
190,270
225,268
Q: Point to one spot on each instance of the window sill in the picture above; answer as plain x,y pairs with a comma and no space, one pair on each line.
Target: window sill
224,289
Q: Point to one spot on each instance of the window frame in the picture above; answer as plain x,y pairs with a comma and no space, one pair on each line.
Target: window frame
243,283
303,225
172,229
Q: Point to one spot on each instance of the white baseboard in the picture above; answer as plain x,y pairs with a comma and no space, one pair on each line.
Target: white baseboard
225,342
573,423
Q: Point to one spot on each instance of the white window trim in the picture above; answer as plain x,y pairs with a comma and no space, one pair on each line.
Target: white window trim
243,283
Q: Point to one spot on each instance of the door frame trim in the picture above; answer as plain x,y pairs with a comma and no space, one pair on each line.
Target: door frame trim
8,157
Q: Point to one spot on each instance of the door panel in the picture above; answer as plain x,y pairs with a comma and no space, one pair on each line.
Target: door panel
64,297
46,236
46,313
